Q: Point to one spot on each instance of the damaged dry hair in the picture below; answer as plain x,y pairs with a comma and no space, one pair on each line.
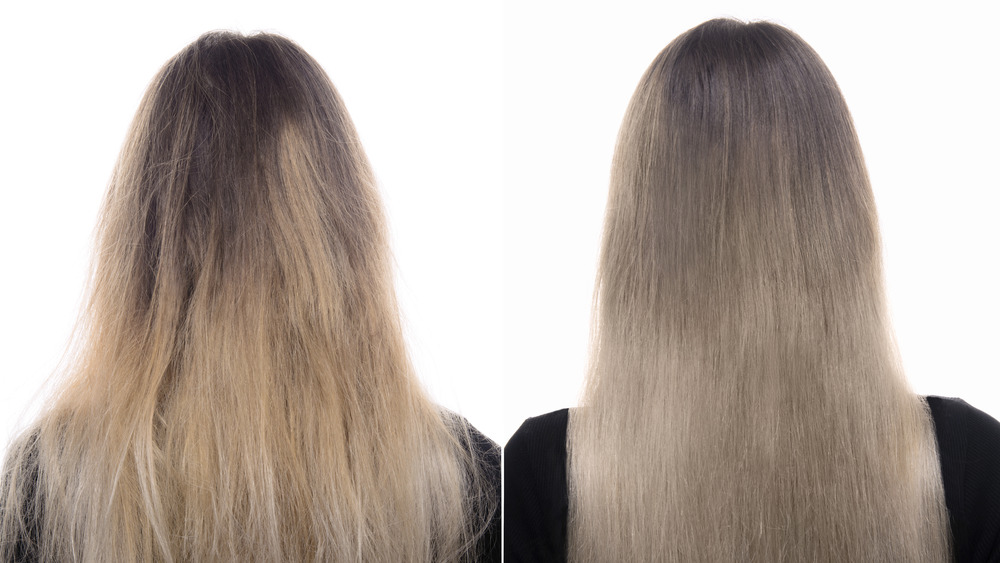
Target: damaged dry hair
240,389
745,401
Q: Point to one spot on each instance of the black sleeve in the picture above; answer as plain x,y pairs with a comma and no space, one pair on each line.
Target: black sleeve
23,478
536,504
969,447
488,455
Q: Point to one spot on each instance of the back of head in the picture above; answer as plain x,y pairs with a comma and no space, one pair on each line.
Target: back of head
744,377
241,389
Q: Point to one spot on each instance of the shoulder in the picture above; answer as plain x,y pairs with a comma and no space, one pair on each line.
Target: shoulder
482,448
545,434
535,456
485,450
966,434
21,504
951,410
969,449
535,493
485,486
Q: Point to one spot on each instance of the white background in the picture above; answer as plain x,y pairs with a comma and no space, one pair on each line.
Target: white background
490,126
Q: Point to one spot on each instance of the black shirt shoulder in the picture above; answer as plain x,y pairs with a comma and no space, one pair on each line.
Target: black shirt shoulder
969,450
536,505
485,453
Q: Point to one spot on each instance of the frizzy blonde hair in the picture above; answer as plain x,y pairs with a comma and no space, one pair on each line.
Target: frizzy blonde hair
744,400
241,389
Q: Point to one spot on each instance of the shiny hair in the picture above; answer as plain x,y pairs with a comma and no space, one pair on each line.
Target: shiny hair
745,400
240,389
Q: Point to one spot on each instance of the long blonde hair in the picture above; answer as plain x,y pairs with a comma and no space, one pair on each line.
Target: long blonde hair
744,400
241,389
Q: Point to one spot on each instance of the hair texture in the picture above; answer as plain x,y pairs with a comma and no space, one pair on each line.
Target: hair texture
745,401
241,389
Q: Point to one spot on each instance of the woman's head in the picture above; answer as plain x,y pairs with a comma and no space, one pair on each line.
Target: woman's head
739,189
242,188
241,389
741,335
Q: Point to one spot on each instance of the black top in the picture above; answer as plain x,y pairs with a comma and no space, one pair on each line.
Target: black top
536,503
487,452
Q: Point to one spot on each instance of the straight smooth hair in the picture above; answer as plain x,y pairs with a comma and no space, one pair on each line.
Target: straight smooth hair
240,389
744,400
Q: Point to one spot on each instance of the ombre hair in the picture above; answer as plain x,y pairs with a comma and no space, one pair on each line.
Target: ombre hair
744,400
240,389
